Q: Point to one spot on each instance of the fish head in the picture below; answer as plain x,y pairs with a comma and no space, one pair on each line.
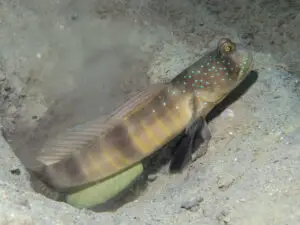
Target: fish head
238,57
230,63
217,73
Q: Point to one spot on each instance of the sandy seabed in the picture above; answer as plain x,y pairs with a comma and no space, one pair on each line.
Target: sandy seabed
107,49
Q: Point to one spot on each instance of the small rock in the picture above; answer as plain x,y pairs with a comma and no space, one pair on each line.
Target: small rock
192,205
25,203
74,16
152,177
12,110
34,117
224,217
22,95
227,113
225,182
226,220
8,89
293,137
2,77
15,171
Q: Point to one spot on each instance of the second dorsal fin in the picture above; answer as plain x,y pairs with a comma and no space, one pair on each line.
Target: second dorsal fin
75,139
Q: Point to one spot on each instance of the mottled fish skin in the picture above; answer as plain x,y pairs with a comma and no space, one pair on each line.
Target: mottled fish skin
128,140
154,119
215,75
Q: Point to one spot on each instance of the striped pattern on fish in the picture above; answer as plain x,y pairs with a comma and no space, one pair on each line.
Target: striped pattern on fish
129,137
102,148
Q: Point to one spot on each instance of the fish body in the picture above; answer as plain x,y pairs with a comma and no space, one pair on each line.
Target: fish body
129,137
99,150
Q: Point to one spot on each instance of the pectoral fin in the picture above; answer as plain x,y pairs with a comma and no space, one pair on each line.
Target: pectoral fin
197,133
201,141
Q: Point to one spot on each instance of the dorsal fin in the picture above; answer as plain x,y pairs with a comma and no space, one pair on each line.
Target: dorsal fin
75,139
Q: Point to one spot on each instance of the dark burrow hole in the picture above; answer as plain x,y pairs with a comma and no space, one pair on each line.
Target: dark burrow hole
152,164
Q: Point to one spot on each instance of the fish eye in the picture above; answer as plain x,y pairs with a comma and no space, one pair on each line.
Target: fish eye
228,47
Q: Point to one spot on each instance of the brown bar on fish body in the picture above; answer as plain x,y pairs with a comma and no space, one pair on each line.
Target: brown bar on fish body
98,150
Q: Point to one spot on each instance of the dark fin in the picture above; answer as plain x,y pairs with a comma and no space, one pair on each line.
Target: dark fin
76,138
201,141
182,154
195,139
184,149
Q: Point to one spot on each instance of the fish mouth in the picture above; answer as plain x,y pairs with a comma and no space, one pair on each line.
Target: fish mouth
247,68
